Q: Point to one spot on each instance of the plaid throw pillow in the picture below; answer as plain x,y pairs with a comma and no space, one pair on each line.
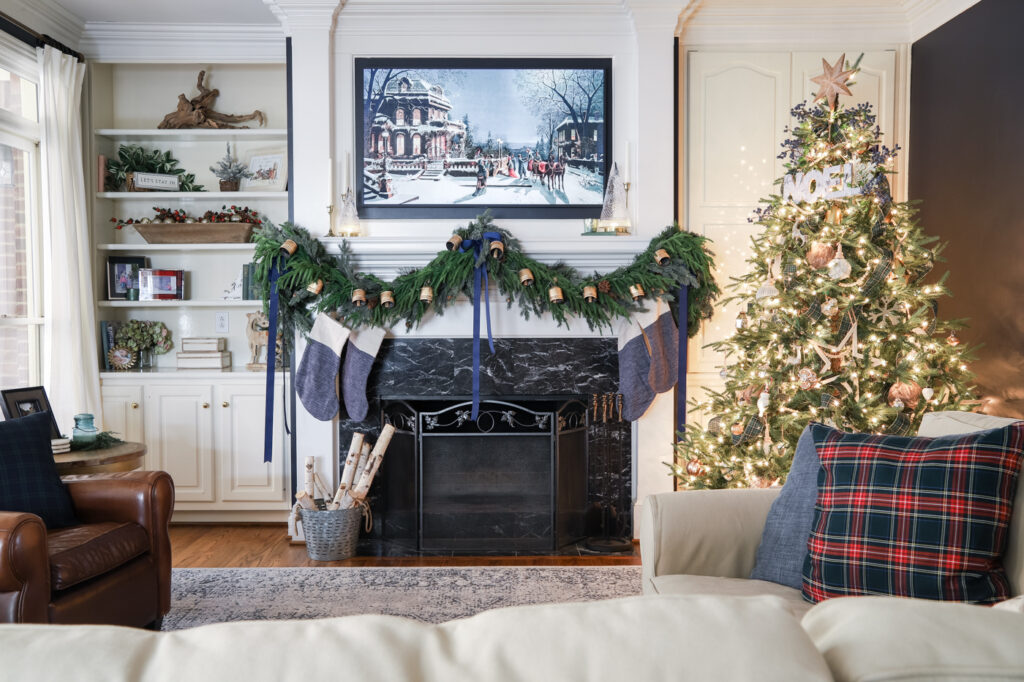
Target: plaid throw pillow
913,517
28,476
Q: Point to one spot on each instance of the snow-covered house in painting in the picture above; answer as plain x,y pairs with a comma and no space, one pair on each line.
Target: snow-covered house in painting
413,122
572,144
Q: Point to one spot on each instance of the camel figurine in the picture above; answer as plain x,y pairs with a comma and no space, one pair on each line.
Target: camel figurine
198,112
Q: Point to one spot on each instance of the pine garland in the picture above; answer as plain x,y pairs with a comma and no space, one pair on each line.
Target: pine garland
451,274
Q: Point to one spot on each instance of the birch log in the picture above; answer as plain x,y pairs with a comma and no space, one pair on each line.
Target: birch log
305,500
361,489
348,474
364,459
308,485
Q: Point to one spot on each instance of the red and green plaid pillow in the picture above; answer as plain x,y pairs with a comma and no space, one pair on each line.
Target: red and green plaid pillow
913,517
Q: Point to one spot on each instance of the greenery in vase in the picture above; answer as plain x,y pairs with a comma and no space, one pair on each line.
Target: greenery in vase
141,335
837,324
133,158
228,169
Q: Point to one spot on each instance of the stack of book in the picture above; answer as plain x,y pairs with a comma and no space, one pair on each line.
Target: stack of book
250,290
204,353
60,445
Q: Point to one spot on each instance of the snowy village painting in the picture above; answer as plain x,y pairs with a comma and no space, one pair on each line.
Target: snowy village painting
449,137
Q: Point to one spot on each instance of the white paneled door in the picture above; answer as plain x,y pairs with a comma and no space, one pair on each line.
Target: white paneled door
737,109
179,437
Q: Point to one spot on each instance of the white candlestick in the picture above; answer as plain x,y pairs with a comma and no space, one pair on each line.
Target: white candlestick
626,176
330,181
348,170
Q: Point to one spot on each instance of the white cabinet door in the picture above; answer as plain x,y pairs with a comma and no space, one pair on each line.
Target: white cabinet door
122,412
242,475
179,437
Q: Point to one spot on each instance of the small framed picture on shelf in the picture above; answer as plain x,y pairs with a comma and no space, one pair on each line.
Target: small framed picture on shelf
123,275
269,168
161,285
21,402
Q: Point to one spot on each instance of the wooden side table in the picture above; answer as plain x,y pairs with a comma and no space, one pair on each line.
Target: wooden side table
122,457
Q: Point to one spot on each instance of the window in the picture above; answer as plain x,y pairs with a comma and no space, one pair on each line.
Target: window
20,297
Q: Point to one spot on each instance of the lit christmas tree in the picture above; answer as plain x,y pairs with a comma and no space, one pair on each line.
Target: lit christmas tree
837,325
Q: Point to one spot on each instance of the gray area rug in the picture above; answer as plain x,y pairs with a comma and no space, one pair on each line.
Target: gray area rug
213,595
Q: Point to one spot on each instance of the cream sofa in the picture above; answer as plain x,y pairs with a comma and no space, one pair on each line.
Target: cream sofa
674,637
704,541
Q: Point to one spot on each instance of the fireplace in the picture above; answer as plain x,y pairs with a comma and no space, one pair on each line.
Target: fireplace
533,490
511,480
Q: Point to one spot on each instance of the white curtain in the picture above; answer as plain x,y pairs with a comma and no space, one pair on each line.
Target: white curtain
70,360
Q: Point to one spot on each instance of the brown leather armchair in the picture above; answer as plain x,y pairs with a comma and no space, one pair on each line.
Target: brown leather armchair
113,568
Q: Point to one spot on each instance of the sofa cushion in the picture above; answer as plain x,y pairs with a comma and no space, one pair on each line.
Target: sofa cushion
885,638
780,556
913,517
639,638
29,481
85,551
729,587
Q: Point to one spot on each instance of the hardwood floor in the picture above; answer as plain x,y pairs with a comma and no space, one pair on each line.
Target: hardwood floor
237,545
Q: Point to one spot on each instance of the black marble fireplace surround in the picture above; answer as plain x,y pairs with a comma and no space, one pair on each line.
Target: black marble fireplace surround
440,369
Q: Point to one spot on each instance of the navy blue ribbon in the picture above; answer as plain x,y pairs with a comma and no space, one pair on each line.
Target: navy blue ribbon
480,284
268,433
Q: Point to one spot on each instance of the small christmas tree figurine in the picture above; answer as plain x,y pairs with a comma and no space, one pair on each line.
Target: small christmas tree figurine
837,324
229,171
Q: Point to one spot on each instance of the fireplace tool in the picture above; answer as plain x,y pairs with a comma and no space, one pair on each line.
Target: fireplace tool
610,419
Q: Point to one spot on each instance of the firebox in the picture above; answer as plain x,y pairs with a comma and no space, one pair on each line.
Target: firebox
513,479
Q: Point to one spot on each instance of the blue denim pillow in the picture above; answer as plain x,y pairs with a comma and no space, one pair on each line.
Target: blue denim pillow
29,481
780,556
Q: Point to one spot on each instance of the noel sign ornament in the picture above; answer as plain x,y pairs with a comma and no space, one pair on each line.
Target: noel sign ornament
834,182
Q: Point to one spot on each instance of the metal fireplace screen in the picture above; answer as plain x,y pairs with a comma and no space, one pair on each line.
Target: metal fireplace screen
513,479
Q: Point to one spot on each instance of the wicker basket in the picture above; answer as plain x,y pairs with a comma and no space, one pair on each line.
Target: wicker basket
331,535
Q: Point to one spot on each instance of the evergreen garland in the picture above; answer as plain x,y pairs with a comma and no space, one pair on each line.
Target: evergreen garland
451,274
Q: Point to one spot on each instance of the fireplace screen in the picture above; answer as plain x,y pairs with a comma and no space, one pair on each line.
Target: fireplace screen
513,479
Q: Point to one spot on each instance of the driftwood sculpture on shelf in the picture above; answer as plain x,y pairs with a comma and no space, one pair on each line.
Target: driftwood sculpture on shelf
198,112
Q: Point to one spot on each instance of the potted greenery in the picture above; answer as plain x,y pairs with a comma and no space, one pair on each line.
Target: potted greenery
230,172
133,158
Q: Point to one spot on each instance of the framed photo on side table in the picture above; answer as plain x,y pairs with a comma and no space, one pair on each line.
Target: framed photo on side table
269,168
21,402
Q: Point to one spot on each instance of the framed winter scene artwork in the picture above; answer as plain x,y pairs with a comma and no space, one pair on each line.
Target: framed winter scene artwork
440,138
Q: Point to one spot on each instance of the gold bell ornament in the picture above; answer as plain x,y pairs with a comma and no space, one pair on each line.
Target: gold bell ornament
661,257
555,295
636,291
359,298
453,243
497,250
315,287
427,294
289,247
590,293
526,277
387,299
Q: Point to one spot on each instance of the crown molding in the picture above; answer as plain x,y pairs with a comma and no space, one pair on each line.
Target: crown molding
201,43
305,15
593,19
924,16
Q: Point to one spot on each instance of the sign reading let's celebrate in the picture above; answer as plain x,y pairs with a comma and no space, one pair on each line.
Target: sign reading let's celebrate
834,182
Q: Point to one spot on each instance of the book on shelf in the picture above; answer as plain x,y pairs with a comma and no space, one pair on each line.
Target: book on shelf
204,360
194,344
161,285
250,292
245,281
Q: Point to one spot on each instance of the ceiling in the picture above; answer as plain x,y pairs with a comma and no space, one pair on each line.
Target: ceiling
176,11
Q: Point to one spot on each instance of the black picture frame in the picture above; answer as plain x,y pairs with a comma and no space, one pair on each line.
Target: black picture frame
591,167
21,402
116,269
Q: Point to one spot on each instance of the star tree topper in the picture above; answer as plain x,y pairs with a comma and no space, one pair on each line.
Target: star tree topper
833,81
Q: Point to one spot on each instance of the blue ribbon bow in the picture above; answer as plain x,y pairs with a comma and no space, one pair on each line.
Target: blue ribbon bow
268,434
479,278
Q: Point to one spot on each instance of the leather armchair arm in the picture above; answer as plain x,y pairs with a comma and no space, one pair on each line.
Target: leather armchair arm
24,569
143,497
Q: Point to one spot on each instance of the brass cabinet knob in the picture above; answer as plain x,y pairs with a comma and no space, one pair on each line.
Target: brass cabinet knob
135,406
225,404
206,405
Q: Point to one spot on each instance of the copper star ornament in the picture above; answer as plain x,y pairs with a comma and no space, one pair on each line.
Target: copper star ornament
833,81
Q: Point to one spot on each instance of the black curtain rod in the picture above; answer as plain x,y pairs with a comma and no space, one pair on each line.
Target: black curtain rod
26,35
